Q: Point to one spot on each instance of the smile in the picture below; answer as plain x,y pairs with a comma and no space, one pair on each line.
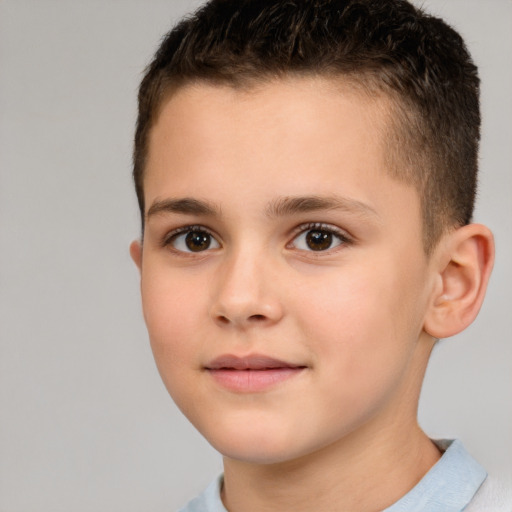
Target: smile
251,374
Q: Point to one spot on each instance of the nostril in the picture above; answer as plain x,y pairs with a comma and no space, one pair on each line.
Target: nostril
223,320
257,318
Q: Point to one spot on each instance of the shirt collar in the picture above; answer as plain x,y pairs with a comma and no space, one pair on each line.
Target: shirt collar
449,485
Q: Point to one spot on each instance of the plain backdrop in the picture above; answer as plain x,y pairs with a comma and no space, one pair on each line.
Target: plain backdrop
86,424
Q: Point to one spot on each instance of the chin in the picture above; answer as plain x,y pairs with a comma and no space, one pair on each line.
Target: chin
263,445
256,454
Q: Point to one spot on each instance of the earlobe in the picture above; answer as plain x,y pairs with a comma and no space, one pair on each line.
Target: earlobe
136,253
465,265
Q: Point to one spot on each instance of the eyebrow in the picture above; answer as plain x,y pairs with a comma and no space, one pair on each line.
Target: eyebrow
283,206
186,205
303,204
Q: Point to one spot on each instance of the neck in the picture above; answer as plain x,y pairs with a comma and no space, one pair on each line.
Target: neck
368,479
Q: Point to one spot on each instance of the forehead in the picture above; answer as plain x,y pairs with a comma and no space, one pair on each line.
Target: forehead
305,98
290,137
208,121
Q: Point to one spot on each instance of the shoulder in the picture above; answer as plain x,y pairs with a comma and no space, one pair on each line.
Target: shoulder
208,501
494,495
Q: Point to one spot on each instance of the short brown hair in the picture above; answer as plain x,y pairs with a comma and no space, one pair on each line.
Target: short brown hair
382,46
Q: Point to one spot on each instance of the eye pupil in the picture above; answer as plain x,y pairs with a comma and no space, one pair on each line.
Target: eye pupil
319,240
198,241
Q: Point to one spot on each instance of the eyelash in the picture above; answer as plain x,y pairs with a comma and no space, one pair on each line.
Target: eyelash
341,235
169,238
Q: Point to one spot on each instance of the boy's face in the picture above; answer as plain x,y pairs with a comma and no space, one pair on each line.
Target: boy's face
284,282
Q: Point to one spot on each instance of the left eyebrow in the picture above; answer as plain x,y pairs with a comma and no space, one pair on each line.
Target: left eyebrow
186,205
303,204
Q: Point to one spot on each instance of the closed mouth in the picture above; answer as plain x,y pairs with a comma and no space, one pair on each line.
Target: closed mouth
251,374
254,362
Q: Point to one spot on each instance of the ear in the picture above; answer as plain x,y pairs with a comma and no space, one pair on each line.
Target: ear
464,262
136,253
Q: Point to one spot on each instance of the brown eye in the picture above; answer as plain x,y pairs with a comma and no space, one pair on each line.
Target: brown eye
198,241
193,240
319,240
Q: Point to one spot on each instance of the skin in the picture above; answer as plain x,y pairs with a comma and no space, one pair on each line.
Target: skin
360,317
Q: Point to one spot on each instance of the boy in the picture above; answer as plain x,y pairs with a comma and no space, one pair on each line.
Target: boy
306,173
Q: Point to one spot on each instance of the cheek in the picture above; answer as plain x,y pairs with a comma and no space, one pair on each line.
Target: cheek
361,349
171,311
171,299
363,322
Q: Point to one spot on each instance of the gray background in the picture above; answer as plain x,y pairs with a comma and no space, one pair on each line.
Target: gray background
86,424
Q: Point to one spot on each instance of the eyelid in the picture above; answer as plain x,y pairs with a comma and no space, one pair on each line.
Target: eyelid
341,234
170,236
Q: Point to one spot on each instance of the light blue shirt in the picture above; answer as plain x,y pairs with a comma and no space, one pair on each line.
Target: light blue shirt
449,486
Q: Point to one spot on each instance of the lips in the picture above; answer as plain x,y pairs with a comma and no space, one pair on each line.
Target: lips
251,362
252,373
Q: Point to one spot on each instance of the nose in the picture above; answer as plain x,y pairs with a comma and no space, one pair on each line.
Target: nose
246,293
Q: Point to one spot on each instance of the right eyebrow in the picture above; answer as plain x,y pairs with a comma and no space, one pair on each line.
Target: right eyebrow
185,205
289,205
